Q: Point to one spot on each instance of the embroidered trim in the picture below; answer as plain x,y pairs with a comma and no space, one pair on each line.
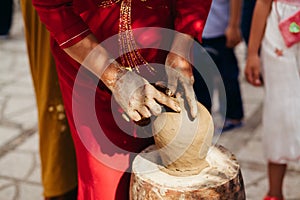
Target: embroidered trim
73,37
107,3
130,55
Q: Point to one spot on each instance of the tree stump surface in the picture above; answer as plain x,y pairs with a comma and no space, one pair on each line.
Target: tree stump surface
222,180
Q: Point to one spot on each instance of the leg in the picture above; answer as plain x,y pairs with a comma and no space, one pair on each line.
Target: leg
58,163
204,71
234,110
248,7
276,174
71,195
230,100
6,12
229,70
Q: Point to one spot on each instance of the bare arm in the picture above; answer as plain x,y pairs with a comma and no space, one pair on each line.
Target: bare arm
135,95
233,31
260,15
93,56
179,70
190,18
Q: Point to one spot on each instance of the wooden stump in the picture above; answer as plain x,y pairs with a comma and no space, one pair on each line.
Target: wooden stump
222,180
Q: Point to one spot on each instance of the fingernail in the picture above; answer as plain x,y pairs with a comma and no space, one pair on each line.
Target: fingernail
168,92
178,109
137,119
194,115
158,110
125,117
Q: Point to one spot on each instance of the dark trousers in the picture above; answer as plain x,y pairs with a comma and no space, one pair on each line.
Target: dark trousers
247,12
231,106
6,12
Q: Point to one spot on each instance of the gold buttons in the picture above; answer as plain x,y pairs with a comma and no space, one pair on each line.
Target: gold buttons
61,116
50,108
59,108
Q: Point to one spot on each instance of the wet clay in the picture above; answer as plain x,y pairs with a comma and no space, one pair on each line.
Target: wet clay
183,143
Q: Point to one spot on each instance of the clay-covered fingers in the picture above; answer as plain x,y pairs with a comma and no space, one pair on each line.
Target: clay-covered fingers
146,101
134,114
130,93
142,107
172,80
139,99
190,98
184,77
153,106
155,97
161,86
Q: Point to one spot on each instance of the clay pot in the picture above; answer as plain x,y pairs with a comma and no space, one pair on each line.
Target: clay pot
183,143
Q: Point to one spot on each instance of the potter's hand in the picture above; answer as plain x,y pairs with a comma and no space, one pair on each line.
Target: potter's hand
138,98
179,70
135,95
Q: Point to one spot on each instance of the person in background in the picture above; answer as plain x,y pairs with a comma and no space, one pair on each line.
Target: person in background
6,15
58,162
280,67
247,12
78,29
221,34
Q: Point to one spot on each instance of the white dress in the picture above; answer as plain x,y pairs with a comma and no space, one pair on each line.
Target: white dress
281,115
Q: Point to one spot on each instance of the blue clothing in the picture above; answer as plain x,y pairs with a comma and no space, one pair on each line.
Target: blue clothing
247,12
214,41
6,13
217,20
227,64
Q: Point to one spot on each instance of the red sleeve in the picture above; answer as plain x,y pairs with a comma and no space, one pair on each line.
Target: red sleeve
191,15
64,25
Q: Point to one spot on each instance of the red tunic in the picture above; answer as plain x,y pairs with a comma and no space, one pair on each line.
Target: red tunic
105,143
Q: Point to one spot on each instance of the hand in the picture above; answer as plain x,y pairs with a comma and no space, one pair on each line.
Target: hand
233,36
252,70
180,70
138,98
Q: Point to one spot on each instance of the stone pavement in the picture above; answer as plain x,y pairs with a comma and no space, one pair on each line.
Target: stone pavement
19,160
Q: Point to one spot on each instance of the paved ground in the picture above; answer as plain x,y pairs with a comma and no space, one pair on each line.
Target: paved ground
19,161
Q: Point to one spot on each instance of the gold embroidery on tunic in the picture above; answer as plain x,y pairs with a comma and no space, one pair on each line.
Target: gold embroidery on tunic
108,3
130,55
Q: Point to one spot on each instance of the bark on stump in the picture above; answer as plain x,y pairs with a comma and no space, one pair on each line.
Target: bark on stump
222,180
